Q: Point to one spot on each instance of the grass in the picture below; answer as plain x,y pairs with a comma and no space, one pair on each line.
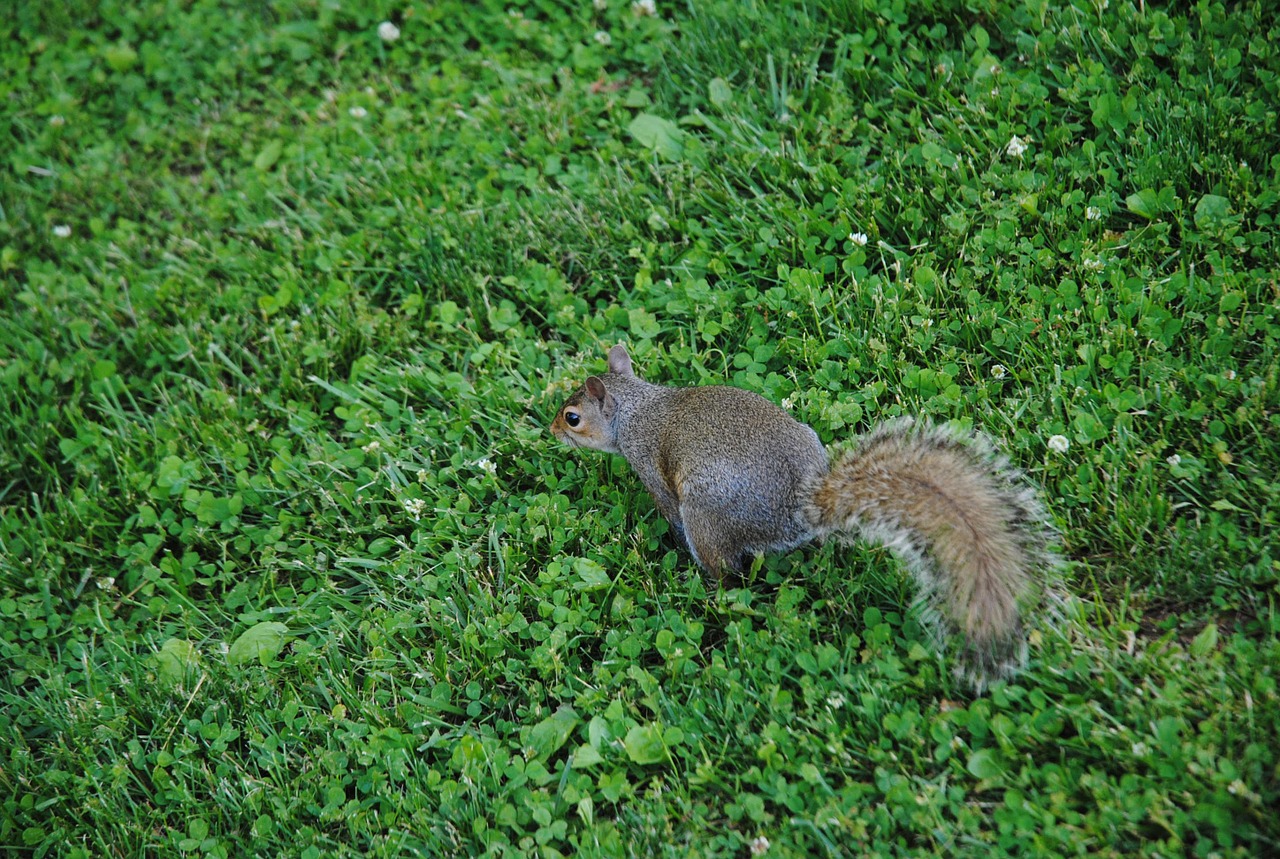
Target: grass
289,563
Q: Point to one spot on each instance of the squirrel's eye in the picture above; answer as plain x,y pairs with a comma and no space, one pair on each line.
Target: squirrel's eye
572,418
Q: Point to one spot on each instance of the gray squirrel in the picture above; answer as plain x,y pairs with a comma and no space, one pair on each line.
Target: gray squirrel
737,476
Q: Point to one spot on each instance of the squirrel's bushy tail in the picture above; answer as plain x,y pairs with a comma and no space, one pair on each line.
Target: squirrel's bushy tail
961,518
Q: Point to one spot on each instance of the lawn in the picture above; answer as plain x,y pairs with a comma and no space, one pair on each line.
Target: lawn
290,291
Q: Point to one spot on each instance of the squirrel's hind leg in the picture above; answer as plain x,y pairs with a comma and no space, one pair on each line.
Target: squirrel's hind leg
710,546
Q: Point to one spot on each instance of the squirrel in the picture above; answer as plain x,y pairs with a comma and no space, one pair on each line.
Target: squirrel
736,476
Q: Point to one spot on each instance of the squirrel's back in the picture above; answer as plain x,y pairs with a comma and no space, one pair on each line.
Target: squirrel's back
739,466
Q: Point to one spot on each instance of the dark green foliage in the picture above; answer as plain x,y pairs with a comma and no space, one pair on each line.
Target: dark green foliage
289,564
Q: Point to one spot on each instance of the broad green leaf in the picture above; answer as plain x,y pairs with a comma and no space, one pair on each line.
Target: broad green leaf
636,98
986,67
261,642
644,745
719,92
1088,428
269,155
120,57
1212,212
644,324
1206,641
1167,731
986,763
585,756
1107,111
661,135
175,659
546,737
591,576
1144,204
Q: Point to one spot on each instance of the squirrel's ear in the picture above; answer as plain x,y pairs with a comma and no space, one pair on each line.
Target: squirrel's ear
596,390
620,361
600,394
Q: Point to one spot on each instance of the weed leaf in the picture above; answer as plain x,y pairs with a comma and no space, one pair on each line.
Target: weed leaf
262,641
546,737
661,135
175,659
644,745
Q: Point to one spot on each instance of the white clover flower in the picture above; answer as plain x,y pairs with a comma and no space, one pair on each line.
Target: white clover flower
1229,375
486,465
1094,264
388,32
422,475
62,231
600,5
415,507
57,120
1174,459
759,845
358,112
1093,213
1016,146
372,447
835,701
603,37
859,239
998,371
644,7
1059,443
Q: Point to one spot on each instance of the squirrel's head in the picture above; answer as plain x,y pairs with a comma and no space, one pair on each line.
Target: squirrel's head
587,418
584,419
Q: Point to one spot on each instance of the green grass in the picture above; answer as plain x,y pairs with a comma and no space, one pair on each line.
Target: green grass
290,565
